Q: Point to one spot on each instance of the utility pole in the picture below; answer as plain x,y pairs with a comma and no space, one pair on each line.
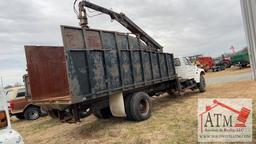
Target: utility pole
249,17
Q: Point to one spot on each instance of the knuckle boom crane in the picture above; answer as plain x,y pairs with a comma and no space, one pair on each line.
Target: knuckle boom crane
122,19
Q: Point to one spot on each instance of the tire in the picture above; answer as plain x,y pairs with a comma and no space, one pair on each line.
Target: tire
140,106
127,103
103,113
85,113
32,113
202,84
20,116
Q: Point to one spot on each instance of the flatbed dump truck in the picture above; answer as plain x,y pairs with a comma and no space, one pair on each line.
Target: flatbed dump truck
105,73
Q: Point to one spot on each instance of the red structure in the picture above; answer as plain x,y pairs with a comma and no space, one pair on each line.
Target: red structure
205,62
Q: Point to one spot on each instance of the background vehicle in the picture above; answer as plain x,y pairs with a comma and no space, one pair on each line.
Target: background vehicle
226,61
104,72
205,62
241,58
219,65
19,105
7,134
190,76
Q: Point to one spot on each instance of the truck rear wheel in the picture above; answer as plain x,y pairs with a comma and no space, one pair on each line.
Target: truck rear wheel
140,106
32,113
202,84
103,113
127,103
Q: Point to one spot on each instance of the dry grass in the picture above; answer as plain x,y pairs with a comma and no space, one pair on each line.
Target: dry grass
227,72
174,120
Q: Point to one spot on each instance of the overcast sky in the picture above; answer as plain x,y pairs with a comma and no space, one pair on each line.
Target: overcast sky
183,27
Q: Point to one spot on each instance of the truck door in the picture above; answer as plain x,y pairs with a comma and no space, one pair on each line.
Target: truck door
189,69
20,102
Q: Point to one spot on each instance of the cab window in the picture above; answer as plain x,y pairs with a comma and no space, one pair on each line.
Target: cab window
177,62
21,93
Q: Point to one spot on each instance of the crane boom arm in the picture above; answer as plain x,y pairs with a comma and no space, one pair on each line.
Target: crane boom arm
121,18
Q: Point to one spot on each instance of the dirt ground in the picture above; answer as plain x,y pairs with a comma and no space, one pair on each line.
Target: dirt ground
174,120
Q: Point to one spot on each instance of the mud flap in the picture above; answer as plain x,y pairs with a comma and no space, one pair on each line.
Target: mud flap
116,102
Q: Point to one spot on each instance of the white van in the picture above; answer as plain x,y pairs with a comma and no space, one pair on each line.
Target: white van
7,134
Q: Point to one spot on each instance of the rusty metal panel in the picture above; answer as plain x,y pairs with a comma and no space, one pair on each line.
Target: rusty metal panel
170,65
78,73
73,39
163,65
47,72
155,68
147,65
133,43
97,71
137,67
126,66
122,41
113,69
92,39
109,41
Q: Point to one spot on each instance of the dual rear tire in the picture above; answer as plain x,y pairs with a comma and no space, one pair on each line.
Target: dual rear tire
138,106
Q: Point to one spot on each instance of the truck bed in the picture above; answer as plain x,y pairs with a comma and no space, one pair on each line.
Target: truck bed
94,64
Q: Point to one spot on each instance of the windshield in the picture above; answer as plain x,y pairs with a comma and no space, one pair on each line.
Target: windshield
217,60
10,95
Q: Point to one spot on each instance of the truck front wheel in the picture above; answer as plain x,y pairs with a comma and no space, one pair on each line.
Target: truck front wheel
32,113
140,106
202,85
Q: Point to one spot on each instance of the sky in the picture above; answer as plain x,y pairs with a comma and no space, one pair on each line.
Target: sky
182,27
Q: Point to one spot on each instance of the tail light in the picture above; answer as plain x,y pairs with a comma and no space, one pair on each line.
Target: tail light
11,105
3,119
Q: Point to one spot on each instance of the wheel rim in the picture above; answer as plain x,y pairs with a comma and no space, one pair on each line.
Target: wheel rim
33,114
144,106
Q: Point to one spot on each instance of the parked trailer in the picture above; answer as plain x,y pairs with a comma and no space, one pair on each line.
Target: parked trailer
240,59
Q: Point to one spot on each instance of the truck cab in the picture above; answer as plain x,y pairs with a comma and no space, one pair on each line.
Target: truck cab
20,106
189,75
7,134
